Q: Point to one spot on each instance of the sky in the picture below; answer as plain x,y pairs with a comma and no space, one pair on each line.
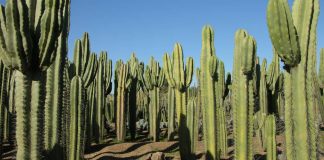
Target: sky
151,27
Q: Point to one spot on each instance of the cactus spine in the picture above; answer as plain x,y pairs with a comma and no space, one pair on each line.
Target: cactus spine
77,119
294,35
243,94
180,77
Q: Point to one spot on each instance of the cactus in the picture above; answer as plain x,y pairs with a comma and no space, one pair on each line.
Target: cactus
133,75
123,84
243,93
321,84
171,107
77,119
192,122
21,30
180,77
65,111
153,81
220,115
103,89
209,92
85,65
53,102
5,76
294,38
270,127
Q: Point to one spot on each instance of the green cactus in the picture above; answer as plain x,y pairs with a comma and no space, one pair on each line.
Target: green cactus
210,97
270,127
77,119
123,84
53,102
131,98
192,123
171,107
85,65
65,111
153,81
5,75
259,119
180,77
103,89
321,84
293,34
221,111
243,94
21,30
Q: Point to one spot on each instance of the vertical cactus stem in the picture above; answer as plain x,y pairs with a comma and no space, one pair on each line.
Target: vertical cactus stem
179,77
171,107
288,116
121,102
77,122
271,138
208,68
243,94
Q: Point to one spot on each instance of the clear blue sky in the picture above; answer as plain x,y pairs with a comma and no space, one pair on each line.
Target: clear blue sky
149,27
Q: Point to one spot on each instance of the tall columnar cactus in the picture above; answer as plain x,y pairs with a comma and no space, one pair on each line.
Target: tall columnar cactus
103,89
293,36
65,111
53,102
30,32
243,94
77,119
221,111
263,103
153,81
180,77
270,129
171,113
85,65
123,84
5,76
321,84
208,78
131,98
192,122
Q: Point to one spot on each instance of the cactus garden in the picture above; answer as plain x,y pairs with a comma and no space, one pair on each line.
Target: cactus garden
69,102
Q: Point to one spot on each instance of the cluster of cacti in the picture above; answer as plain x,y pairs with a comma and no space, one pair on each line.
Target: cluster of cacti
153,81
293,35
52,108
